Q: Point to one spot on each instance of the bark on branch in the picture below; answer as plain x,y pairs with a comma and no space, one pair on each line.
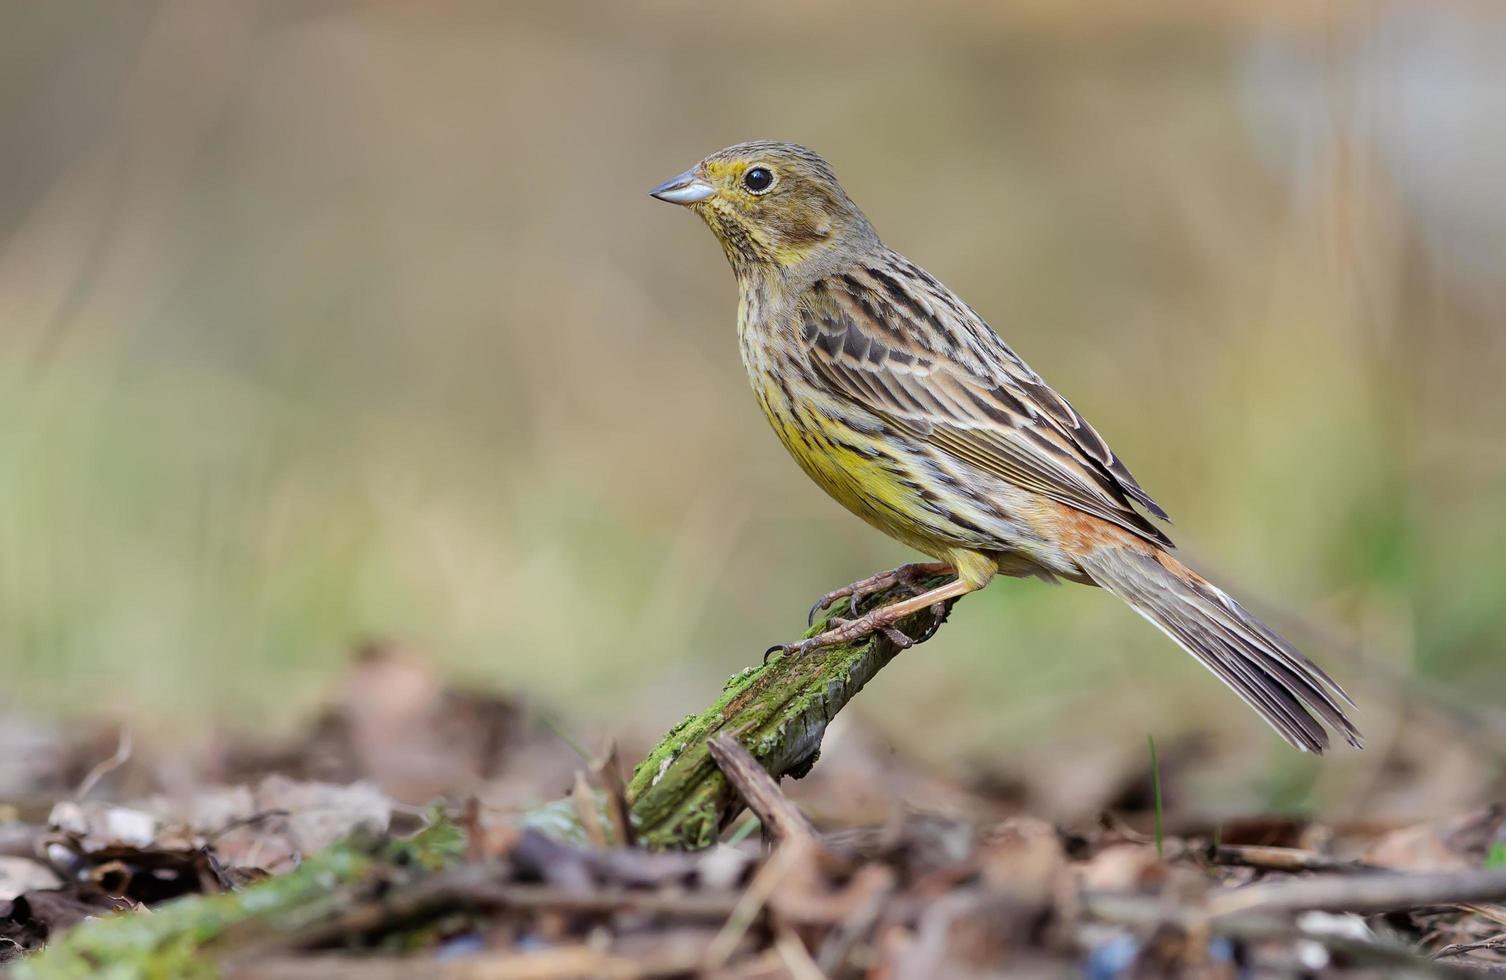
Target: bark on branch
779,711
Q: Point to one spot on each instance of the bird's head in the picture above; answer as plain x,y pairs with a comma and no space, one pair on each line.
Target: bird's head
773,206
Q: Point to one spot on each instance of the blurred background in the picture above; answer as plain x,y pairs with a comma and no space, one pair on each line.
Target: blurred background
323,322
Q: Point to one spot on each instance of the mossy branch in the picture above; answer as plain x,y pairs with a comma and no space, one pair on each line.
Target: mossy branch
779,711
187,938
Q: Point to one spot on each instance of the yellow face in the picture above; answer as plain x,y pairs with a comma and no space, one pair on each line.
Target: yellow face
769,204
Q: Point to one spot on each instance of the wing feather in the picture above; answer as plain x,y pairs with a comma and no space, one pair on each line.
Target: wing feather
896,342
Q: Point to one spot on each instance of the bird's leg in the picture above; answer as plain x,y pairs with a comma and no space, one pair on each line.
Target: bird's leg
882,619
909,576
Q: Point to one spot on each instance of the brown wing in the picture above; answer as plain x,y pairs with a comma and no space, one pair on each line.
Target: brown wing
890,338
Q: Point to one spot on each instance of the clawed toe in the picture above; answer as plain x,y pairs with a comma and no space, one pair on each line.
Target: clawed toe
938,616
821,603
797,649
842,630
846,629
909,576
851,593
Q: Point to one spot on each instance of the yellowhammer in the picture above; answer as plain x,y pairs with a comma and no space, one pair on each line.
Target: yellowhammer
904,405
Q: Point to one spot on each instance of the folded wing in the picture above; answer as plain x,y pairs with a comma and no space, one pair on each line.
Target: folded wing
895,341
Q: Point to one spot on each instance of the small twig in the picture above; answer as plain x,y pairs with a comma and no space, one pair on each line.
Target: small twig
1370,894
841,940
121,757
586,811
609,772
769,877
480,886
745,830
797,959
759,791
1487,910
470,825
1457,949
248,820
1290,859
558,963
220,876
549,722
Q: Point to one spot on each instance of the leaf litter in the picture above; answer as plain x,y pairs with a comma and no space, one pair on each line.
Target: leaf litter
385,841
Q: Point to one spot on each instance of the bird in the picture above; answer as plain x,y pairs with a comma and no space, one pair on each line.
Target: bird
904,405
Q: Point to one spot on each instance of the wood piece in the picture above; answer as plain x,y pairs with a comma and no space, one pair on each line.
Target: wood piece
758,790
1289,859
609,772
1369,894
586,811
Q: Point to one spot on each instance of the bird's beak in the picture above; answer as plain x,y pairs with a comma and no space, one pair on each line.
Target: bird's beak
687,188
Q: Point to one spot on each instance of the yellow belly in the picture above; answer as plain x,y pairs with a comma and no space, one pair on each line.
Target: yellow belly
897,485
861,472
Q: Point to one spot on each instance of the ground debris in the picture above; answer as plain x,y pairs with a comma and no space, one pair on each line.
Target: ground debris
926,898
326,870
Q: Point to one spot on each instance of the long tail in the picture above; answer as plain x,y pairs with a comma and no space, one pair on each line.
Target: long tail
1270,674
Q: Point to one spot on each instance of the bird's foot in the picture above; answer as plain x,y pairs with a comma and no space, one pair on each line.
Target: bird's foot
881,620
910,576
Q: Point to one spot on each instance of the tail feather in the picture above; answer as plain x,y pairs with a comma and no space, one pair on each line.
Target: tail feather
1270,674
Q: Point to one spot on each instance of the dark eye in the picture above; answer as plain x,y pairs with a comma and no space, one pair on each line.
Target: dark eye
758,179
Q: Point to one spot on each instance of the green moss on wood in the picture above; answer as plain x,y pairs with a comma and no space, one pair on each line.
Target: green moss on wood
779,710
179,940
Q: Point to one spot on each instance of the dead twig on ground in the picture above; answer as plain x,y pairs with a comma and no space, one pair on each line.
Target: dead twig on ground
1368,894
121,756
609,773
1288,859
758,790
